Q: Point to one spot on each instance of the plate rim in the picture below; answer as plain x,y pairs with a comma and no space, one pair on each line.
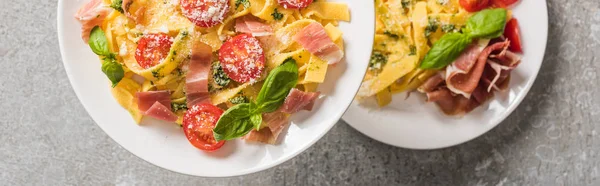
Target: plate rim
512,107
61,41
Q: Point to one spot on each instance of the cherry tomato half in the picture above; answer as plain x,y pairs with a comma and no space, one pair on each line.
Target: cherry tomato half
205,13
198,124
503,3
512,33
294,4
242,58
152,49
474,5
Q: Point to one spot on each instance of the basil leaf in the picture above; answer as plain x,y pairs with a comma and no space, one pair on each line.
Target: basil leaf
113,70
277,86
256,120
487,24
240,119
98,42
445,50
235,122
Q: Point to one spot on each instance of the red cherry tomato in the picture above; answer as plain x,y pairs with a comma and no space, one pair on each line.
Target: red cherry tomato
474,5
503,3
152,49
512,33
242,58
294,4
198,124
205,13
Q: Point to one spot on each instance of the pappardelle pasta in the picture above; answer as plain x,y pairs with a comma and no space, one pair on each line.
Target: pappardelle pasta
454,51
222,69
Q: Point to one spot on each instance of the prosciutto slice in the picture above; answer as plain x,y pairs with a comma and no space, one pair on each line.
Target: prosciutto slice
298,100
147,99
460,74
91,15
196,80
161,112
156,104
252,26
275,122
469,84
450,103
431,84
497,72
465,82
314,39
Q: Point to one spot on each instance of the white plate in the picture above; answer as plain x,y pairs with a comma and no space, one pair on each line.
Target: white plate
165,145
414,124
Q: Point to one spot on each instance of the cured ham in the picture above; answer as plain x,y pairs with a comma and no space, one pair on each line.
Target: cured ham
275,122
314,39
497,72
471,80
251,26
91,15
156,104
196,80
432,83
298,100
147,99
160,111
465,83
460,74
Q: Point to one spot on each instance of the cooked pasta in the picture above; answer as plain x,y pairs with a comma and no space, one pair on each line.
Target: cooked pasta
405,31
156,43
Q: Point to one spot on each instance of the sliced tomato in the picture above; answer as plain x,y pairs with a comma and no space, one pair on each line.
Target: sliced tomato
512,33
503,3
152,49
205,13
242,58
294,4
474,5
198,124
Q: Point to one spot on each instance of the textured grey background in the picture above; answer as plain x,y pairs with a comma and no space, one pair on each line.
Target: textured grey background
46,137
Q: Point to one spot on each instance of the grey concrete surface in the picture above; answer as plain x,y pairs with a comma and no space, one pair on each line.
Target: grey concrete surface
46,138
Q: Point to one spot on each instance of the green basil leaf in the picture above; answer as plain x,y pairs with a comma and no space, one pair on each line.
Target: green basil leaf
445,50
256,120
277,86
98,42
235,122
113,70
487,24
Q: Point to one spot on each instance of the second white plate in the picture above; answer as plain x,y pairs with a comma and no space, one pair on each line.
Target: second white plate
414,124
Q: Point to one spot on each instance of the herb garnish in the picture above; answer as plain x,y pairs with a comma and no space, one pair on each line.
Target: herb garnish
378,60
239,100
219,76
99,45
240,119
178,106
448,28
116,4
486,24
413,50
432,27
246,3
276,15
392,35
